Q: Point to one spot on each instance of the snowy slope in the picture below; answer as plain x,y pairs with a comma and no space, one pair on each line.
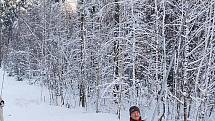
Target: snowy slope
22,103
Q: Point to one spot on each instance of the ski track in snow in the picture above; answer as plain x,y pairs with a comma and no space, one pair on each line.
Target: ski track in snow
22,103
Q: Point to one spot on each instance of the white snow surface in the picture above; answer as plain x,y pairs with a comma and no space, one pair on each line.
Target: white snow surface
22,103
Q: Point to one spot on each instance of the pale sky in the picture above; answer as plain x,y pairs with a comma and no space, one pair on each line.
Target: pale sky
74,1
71,5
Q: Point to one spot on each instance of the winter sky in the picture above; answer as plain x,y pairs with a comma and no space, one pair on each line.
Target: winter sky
71,5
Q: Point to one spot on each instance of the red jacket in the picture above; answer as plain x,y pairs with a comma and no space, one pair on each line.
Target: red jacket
136,120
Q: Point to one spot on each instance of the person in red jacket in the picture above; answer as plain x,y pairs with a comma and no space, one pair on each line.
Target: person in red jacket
135,114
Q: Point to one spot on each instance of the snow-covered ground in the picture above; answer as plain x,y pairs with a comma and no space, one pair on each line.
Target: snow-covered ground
22,103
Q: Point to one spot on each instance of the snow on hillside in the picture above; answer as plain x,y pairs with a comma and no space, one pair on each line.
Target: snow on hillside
22,103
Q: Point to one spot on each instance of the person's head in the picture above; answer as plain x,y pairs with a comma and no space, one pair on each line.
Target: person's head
134,112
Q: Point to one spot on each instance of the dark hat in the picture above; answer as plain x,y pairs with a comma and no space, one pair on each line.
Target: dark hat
134,108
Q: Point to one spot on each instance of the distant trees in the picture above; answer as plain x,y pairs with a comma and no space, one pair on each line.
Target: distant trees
110,54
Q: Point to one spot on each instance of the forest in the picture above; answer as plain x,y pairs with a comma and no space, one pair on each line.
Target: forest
107,55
